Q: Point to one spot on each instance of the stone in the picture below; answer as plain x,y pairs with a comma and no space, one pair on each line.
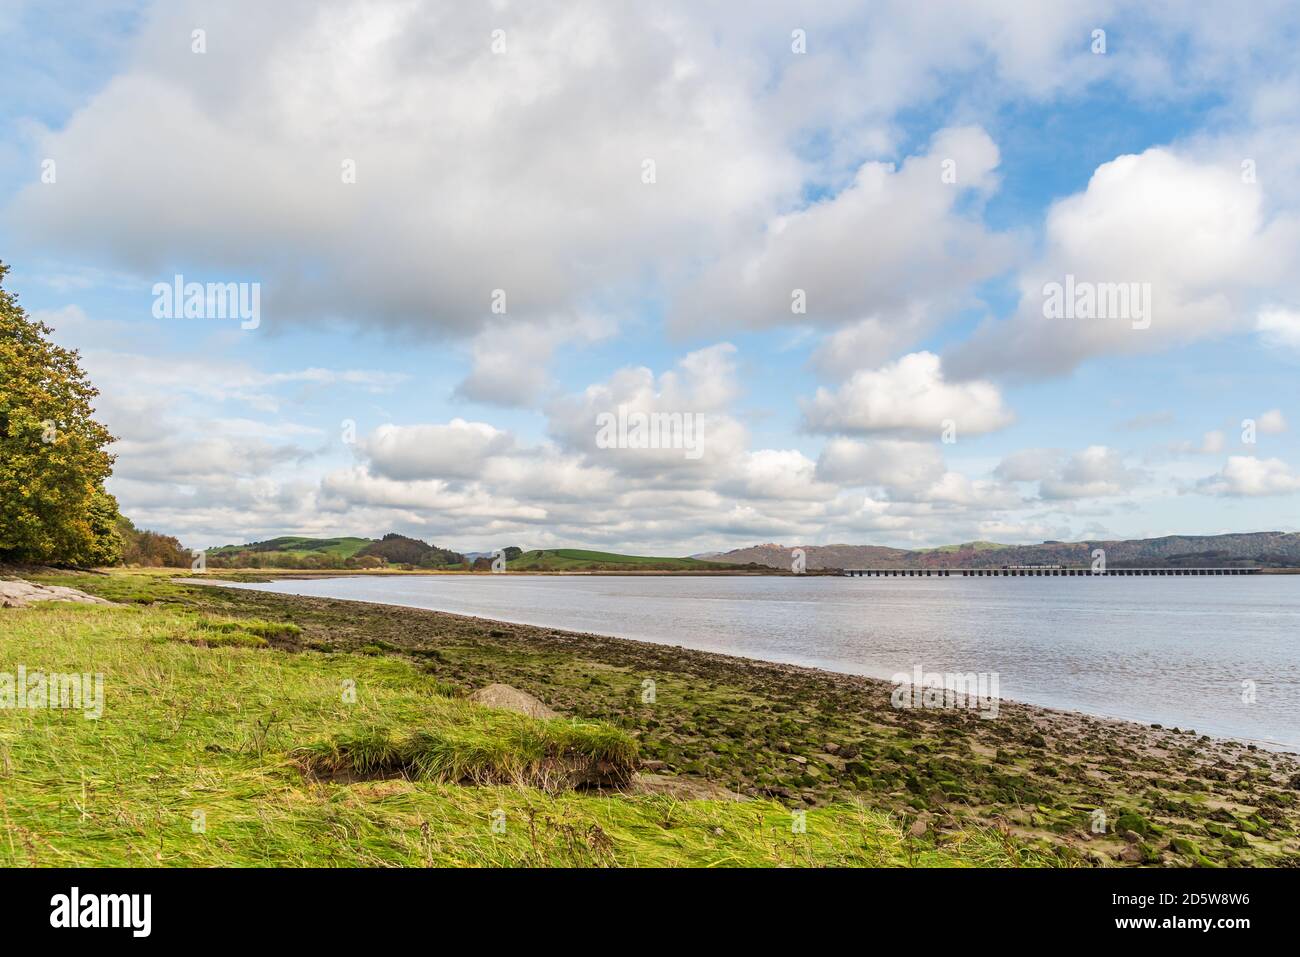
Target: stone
512,699
16,593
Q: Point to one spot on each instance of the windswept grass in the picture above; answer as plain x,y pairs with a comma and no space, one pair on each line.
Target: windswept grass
241,632
198,760
476,745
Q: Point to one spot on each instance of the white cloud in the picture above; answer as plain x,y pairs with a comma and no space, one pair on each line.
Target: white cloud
1280,327
1190,230
1271,422
1245,476
458,449
702,386
885,462
1094,472
475,170
849,265
871,342
908,396
510,359
784,474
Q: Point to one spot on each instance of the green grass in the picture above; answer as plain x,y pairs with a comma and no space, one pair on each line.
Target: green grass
217,755
299,546
480,746
574,559
239,632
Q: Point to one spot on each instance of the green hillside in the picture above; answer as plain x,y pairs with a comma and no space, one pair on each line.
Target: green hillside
578,559
299,546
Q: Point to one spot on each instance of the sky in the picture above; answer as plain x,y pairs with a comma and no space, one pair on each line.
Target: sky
916,273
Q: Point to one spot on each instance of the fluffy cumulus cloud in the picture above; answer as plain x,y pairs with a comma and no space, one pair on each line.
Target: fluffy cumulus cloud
476,168
1272,422
1244,476
691,432
893,242
512,160
909,396
1160,249
511,359
884,462
458,449
1280,327
1094,472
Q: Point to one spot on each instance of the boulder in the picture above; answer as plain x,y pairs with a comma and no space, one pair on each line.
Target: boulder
16,593
512,699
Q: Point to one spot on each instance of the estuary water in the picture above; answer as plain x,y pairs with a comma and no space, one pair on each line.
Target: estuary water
1219,655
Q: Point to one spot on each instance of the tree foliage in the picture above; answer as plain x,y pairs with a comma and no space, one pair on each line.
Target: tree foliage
53,454
401,550
150,549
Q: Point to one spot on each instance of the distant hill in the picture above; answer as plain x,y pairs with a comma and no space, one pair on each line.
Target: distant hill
295,551
577,559
299,546
401,550
292,551
1252,549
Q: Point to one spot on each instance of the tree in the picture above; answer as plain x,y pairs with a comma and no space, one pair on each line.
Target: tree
401,550
53,454
150,549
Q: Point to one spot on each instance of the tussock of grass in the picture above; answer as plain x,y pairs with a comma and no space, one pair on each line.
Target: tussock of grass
237,633
239,628
224,639
492,747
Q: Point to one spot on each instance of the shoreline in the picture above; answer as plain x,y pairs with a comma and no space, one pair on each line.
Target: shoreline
1079,788
1264,744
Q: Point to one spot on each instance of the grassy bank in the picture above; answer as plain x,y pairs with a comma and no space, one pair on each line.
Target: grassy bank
221,745
830,744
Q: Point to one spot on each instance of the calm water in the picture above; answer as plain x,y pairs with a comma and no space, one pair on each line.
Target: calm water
1168,650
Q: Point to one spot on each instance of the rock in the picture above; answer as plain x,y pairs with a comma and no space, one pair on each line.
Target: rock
798,759
1131,837
512,699
1131,853
921,824
1180,845
17,593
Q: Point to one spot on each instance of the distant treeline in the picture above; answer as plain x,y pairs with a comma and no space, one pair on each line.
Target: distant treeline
150,549
393,550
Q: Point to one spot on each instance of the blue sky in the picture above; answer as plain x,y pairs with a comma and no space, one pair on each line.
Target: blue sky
380,391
